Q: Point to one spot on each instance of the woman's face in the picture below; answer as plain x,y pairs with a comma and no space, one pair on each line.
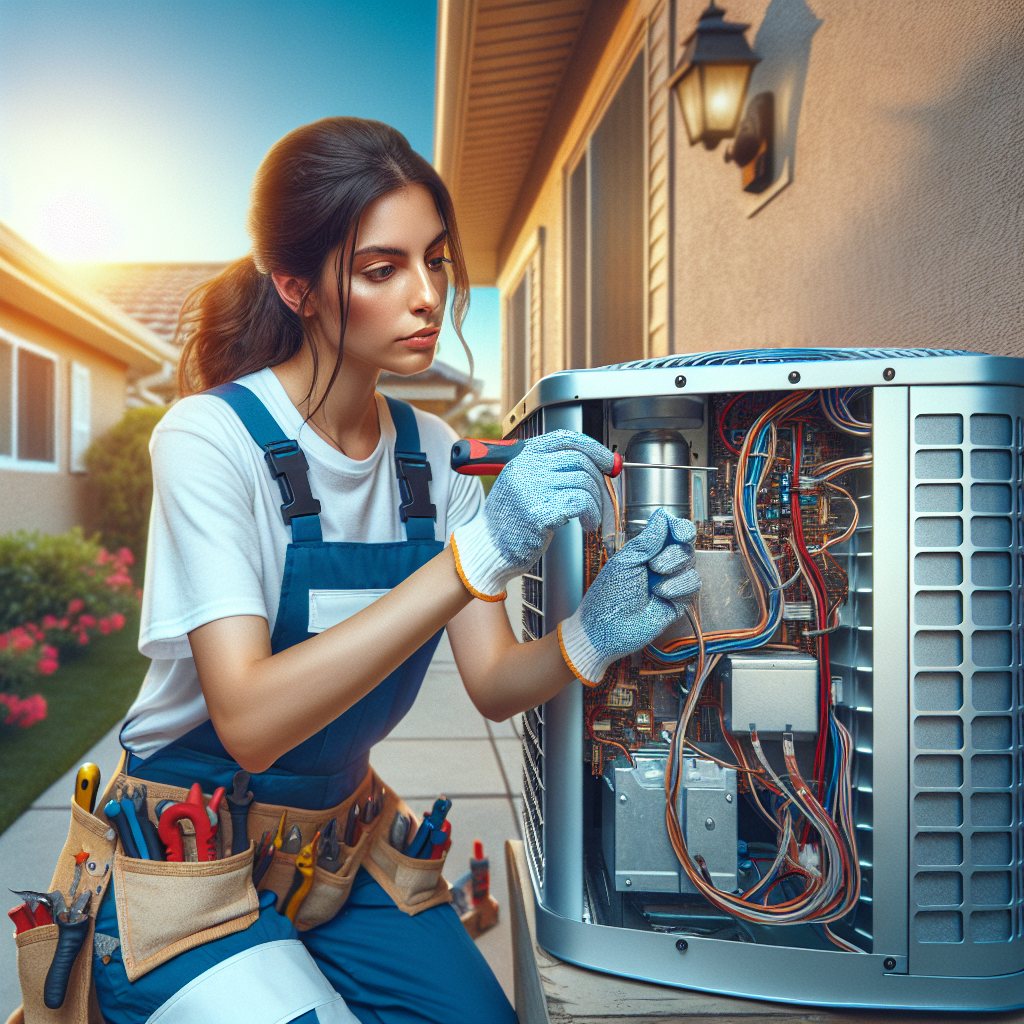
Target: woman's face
399,285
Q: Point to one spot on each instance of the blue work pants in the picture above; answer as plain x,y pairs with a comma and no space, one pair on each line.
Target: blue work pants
390,968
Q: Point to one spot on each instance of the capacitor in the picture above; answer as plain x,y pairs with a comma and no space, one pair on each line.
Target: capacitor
650,485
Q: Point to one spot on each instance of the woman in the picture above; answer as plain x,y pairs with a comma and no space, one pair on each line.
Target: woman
288,639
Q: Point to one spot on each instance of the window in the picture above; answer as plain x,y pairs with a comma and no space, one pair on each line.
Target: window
81,415
518,322
605,234
28,406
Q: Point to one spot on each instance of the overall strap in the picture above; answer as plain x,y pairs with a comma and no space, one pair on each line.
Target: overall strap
286,460
413,472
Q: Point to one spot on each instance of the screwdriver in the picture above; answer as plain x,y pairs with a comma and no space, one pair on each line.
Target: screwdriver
472,456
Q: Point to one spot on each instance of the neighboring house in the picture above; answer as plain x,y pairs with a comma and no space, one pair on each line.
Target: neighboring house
68,362
153,294
892,217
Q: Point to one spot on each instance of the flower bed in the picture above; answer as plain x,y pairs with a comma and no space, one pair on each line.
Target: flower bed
60,592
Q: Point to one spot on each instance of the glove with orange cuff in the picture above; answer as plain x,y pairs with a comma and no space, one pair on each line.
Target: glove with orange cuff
555,478
638,594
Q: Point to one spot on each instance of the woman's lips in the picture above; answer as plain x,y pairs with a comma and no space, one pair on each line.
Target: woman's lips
422,340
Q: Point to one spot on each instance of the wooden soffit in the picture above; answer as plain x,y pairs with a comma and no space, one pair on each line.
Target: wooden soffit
500,67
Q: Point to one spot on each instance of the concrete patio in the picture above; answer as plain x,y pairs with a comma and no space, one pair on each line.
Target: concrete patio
444,745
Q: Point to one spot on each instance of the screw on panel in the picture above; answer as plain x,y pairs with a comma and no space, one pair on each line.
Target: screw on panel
888,373
889,963
728,798
680,381
794,377
629,881
622,798
682,945
709,824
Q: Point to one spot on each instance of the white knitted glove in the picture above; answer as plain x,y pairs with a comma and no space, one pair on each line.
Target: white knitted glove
638,594
555,478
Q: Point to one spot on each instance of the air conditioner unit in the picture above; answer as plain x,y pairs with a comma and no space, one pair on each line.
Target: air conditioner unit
844,770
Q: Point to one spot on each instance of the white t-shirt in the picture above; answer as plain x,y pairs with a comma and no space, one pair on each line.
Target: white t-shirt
217,540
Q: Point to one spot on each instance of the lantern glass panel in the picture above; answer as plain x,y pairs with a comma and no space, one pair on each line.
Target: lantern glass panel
724,88
692,101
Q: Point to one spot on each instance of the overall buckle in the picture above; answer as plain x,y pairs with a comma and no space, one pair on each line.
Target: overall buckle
414,485
289,467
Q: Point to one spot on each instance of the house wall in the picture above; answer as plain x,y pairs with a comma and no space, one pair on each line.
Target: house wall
900,129
53,502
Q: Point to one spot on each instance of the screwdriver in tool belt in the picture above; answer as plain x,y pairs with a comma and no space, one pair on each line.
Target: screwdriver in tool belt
473,456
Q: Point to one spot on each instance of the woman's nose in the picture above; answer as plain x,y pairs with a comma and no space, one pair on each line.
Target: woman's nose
425,295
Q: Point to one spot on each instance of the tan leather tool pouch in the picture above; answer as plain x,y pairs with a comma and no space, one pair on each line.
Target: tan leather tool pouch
165,908
93,836
414,884
330,890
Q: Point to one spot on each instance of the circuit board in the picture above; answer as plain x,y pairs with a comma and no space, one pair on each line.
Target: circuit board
638,701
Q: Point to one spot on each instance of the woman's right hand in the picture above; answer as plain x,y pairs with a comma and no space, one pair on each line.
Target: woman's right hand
555,478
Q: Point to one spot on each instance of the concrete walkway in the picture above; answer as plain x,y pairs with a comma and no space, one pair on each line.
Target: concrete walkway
443,745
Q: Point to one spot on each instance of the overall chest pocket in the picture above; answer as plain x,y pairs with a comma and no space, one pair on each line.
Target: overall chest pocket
329,607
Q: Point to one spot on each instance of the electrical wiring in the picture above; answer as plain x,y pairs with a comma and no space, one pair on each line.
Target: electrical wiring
834,404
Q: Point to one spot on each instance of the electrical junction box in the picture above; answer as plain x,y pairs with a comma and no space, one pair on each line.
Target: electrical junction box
637,853
862,510
775,690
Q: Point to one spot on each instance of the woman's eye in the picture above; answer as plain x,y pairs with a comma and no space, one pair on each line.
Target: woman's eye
380,273
438,262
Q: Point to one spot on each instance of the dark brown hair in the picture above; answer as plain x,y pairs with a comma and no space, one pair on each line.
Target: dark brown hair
307,198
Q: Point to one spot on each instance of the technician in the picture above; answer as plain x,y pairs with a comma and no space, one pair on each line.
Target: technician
290,642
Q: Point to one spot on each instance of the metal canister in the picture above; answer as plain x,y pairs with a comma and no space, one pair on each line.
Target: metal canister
649,487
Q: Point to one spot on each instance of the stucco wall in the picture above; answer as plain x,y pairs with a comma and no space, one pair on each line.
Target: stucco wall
903,224
53,502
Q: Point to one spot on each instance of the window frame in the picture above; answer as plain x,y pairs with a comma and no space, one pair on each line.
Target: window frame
12,462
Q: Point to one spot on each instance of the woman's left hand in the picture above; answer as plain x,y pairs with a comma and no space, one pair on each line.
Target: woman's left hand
638,594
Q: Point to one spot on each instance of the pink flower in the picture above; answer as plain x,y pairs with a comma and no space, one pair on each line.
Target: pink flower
118,579
49,622
48,651
33,631
125,555
117,620
88,621
83,638
47,666
103,557
104,626
22,642
3,641
75,606
63,623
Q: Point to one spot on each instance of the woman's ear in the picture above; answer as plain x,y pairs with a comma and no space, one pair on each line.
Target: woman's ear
291,290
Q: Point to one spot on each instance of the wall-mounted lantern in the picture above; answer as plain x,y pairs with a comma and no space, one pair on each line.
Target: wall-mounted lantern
711,83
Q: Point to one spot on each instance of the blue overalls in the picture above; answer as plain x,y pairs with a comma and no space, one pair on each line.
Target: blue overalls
389,967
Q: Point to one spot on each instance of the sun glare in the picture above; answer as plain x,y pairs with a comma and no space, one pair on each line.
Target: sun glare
75,226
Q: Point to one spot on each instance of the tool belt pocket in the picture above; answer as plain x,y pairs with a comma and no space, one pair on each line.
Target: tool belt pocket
330,889
167,907
413,883
36,948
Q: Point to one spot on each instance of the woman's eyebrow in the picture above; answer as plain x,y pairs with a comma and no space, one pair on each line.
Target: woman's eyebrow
387,250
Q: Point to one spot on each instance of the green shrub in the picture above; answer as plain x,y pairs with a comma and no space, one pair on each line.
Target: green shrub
121,480
44,574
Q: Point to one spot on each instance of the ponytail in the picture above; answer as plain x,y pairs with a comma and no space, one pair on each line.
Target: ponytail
232,325
307,198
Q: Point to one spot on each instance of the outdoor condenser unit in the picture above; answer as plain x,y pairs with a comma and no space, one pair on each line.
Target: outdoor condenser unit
842,818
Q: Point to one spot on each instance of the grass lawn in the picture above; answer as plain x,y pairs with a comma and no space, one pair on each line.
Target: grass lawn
85,698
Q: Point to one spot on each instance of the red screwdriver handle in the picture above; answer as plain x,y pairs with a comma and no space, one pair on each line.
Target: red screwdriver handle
472,456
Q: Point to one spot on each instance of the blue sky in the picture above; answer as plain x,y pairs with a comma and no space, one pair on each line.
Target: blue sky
131,129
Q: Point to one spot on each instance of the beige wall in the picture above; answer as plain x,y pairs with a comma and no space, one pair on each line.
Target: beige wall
54,502
903,223
903,124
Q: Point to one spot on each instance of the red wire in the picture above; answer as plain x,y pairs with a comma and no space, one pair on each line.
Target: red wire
721,423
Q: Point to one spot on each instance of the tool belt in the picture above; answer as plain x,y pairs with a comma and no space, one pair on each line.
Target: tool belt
165,908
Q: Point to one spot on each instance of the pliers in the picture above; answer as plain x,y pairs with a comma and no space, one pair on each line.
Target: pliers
72,927
302,880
